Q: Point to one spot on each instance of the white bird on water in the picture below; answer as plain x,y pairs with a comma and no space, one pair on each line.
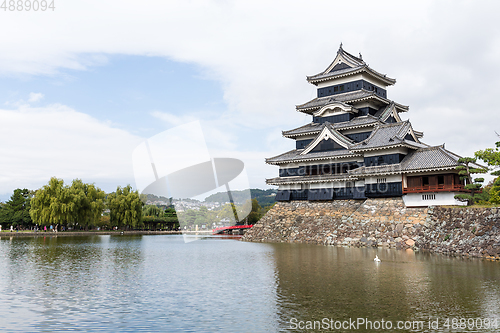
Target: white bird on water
376,258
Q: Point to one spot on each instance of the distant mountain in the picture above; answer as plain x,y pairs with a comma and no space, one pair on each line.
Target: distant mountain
264,197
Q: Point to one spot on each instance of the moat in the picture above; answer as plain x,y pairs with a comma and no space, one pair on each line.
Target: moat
154,283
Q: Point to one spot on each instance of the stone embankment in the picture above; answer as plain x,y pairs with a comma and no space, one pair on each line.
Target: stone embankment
382,222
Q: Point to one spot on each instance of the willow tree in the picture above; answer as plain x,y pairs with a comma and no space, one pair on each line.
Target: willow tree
152,210
79,204
88,203
51,204
125,208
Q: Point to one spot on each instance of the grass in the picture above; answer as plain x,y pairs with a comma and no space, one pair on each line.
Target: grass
473,206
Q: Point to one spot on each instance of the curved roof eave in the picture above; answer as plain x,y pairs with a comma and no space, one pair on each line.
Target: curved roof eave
314,79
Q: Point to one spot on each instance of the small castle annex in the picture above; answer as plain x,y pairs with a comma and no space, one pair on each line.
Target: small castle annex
358,147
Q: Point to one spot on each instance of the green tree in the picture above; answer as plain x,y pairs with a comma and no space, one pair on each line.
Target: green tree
255,213
170,215
152,210
58,204
125,208
51,204
492,157
15,212
88,203
495,192
466,169
228,211
187,218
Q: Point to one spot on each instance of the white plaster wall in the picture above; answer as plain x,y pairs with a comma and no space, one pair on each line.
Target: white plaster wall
389,179
442,198
321,185
289,187
341,184
360,183
330,161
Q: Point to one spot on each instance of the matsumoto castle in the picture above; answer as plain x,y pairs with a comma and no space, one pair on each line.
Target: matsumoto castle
357,146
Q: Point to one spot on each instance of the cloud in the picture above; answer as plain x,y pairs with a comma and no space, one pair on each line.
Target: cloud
261,51
55,140
35,97
443,54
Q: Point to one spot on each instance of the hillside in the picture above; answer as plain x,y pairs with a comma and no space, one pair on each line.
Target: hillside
264,197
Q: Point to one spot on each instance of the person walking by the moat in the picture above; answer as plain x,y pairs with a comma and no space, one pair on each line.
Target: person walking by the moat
11,228
44,228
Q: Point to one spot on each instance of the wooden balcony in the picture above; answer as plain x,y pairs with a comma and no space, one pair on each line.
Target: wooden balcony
435,188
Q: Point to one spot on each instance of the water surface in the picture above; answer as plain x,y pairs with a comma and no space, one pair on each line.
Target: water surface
159,283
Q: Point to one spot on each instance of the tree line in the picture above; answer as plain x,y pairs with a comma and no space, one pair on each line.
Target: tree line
78,206
227,214
489,194
83,206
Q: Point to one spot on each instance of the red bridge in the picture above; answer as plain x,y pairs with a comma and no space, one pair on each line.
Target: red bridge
232,229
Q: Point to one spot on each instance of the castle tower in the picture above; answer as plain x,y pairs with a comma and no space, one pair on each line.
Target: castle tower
357,146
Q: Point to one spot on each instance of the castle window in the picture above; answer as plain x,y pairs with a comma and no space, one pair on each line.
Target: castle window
440,180
428,197
381,180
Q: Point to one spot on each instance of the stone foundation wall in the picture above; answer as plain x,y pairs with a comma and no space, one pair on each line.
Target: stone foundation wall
382,222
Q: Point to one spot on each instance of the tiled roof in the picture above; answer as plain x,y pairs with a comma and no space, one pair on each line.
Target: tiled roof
306,129
294,156
429,158
355,65
384,111
388,135
335,73
313,128
378,169
349,97
349,71
346,97
358,121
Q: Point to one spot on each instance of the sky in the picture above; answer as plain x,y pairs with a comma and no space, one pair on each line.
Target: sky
81,86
